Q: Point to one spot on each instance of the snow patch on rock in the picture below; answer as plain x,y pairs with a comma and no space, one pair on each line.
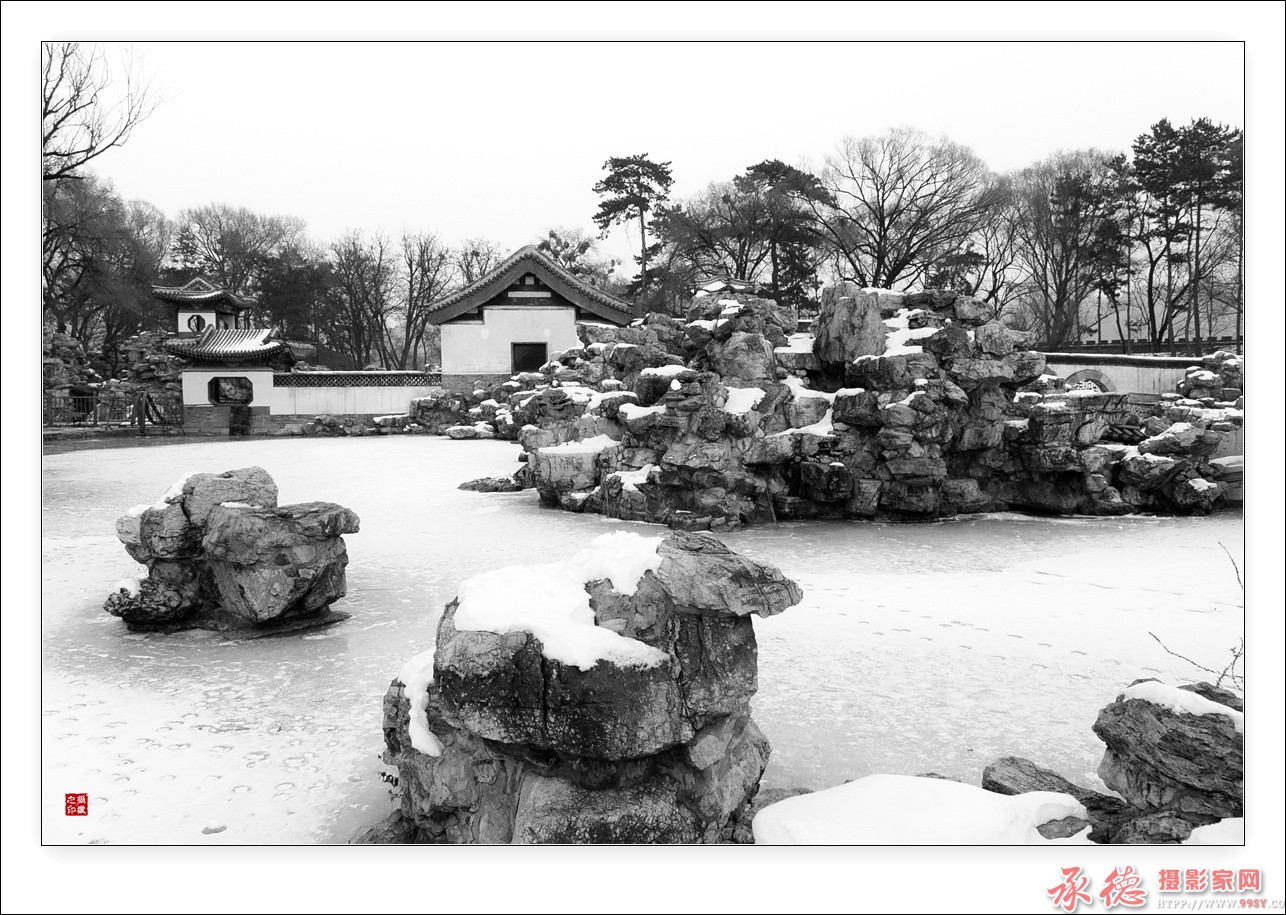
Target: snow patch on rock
743,400
417,676
585,446
799,389
550,602
1182,701
665,371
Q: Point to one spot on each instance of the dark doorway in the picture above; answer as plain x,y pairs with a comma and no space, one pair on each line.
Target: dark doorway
529,357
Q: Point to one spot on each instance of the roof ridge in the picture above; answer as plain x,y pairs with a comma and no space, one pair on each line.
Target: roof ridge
533,252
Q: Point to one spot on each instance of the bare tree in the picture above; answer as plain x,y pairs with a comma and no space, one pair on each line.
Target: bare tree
1065,212
720,231
79,118
577,252
985,268
426,271
897,202
364,273
231,243
475,257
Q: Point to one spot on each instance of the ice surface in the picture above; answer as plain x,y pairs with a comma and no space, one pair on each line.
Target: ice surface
918,647
1183,701
549,600
905,810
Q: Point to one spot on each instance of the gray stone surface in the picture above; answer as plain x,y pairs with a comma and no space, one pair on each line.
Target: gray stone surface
536,751
221,554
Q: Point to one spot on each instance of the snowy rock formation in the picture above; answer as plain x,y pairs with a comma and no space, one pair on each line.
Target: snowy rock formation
1220,376
1175,749
221,554
603,698
906,405
1174,755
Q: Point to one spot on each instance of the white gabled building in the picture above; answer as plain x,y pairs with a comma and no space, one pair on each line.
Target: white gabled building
515,317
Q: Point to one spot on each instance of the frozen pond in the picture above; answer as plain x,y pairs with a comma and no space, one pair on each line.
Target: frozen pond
935,647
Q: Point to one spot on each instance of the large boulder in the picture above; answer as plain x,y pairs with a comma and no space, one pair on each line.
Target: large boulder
437,410
203,492
275,562
743,358
1178,749
613,705
1015,775
573,466
221,554
851,322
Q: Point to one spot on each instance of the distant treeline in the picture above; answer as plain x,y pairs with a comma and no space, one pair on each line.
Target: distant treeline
1084,243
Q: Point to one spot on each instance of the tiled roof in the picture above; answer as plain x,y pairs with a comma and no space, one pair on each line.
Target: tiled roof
199,291
531,260
214,345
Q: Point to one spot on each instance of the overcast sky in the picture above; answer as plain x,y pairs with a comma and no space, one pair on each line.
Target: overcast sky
506,140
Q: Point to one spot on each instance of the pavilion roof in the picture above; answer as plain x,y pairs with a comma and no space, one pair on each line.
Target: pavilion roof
200,291
227,346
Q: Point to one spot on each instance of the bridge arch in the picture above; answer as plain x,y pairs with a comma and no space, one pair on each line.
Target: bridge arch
1093,376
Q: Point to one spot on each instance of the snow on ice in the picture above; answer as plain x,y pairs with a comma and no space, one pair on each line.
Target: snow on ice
908,810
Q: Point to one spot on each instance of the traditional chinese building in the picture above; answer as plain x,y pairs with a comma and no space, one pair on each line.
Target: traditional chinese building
198,305
238,379
229,377
512,319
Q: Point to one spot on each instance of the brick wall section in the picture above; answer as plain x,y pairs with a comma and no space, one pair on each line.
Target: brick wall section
468,383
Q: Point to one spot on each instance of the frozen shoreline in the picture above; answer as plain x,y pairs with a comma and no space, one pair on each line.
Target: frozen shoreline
934,647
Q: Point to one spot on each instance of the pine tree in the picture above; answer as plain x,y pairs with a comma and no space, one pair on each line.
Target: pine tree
1209,177
634,186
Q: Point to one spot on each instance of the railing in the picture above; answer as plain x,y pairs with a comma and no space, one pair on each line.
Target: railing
1182,346
100,409
371,379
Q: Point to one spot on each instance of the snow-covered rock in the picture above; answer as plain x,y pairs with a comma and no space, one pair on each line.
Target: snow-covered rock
603,697
1175,749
